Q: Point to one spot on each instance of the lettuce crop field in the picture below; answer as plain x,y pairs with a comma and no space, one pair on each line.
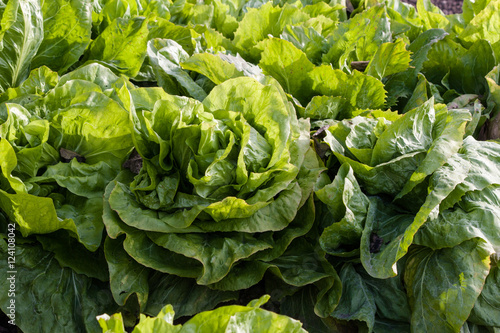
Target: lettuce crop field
249,166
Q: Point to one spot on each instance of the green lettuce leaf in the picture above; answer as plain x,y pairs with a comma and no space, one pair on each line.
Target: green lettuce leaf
348,206
20,37
480,27
445,303
165,56
233,318
122,45
487,304
49,297
67,27
287,64
257,24
390,58
358,38
357,302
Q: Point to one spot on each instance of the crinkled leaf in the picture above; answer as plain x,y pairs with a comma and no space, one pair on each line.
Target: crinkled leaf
166,56
358,38
390,58
67,27
257,24
484,25
360,90
287,64
447,141
122,45
216,253
69,253
306,39
476,216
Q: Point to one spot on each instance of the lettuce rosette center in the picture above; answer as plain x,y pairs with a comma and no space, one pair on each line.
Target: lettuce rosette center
223,182
219,161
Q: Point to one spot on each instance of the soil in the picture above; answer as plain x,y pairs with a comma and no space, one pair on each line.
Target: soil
447,6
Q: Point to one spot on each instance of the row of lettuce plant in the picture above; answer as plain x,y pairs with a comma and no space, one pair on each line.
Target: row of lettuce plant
158,153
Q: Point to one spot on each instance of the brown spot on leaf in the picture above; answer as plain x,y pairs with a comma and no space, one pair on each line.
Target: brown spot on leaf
375,243
67,155
134,162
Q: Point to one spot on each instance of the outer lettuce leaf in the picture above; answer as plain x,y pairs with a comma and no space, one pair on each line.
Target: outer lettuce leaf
188,38
93,73
451,64
432,17
114,9
300,306
20,205
86,215
480,158
471,8
20,208
49,297
67,27
445,303
39,82
391,298
20,37
72,254
323,107
399,230
487,304
371,303
476,216
405,21
217,254
241,66
300,256
80,178
126,276
357,302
